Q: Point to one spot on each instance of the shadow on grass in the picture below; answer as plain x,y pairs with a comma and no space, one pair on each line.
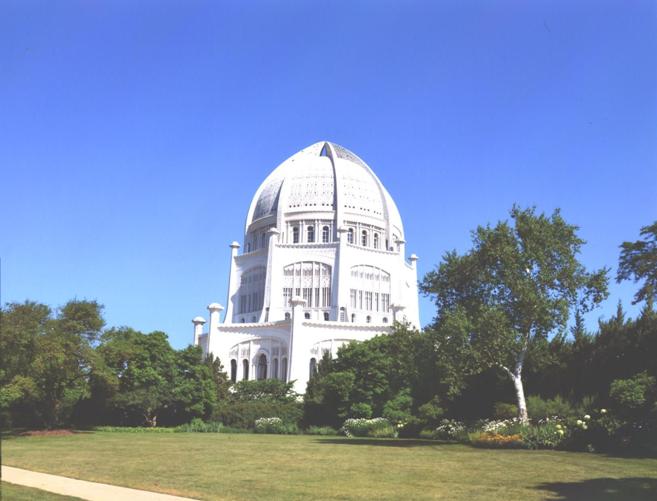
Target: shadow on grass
23,432
385,442
603,489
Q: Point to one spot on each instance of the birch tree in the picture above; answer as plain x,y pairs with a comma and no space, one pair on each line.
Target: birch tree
516,286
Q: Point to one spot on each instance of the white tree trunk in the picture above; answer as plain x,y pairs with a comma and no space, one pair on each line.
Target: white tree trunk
520,396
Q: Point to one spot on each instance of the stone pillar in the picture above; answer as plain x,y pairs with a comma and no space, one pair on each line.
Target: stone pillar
298,352
397,311
270,280
198,322
413,313
232,283
340,292
215,309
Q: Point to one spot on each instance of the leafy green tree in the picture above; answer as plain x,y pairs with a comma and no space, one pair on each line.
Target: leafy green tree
194,390
144,366
499,301
638,261
47,360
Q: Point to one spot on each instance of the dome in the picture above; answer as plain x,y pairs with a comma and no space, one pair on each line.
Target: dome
324,177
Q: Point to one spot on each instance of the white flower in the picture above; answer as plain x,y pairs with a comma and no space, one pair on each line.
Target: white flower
603,411
587,417
580,422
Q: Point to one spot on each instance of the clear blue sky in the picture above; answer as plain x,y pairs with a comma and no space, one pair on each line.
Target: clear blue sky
134,134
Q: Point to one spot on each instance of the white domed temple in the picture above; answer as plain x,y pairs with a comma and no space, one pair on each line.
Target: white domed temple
323,263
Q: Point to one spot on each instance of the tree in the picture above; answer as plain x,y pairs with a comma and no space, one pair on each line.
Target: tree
46,360
638,261
500,301
144,367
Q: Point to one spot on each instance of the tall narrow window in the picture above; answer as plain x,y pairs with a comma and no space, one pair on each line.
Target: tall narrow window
313,367
350,235
287,315
263,238
343,315
295,235
353,318
284,369
274,372
311,234
245,369
233,370
369,319
325,234
376,240
363,239
326,316
262,367
248,247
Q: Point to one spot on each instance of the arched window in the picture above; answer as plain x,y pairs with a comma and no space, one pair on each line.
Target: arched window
376,240
313,367
284,369
325,234
274,373
287,315
243,321
310,231
262,367
245,369
350,235
343,315
326,316
353,318
369,319
306,315
233,370
295,235
363,238
385,320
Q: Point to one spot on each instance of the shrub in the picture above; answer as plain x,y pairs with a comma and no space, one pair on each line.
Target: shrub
374,428
632,394
398,409
197,425
321,430
431,412
449,429
496,441
539,408
361,410
550,435
504,410
501,426
243,413
135,429
274,425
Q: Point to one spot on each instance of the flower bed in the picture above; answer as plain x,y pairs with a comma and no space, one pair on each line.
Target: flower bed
374,428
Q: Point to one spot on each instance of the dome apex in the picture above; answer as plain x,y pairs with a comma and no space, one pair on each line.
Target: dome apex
325,177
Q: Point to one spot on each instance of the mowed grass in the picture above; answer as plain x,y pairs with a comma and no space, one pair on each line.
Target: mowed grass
11,492
245,466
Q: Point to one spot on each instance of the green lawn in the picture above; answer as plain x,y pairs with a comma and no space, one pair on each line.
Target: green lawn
11,492
245,466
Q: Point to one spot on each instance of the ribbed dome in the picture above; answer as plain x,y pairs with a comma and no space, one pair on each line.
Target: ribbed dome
325,177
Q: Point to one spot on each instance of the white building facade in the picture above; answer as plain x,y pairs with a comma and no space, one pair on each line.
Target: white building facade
322,264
